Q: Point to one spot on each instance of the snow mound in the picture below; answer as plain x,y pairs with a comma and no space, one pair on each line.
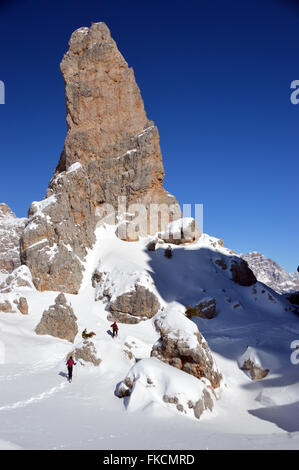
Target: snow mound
151,382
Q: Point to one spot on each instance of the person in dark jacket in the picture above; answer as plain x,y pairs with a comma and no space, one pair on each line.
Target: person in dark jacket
114,329
70,363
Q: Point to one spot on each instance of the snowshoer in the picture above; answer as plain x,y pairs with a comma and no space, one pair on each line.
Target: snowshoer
70,363
114,329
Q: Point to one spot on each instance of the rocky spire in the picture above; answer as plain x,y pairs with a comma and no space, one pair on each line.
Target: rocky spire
111,150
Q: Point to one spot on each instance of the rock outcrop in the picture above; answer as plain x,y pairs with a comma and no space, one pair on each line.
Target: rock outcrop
11,229
59,320
132,307
241,273
111,151
181,345
270,273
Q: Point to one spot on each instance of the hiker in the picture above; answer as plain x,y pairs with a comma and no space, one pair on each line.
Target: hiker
70,363
114,329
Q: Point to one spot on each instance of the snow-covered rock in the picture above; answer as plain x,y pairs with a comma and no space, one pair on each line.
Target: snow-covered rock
59,320
181,345
19,279
151,382
252,362
131,295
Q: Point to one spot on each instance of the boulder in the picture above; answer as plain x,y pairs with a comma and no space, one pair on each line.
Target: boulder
59,320
207,308
86,353
181,345
134,306
23,306
241,273
251,362
256,372
6,307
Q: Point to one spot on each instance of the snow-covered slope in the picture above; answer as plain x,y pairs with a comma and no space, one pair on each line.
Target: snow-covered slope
11,228
39,409
270,273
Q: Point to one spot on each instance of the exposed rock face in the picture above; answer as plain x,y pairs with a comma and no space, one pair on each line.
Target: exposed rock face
11,229
241,273
270,273
86,353
185,349
141,304
23,306
111,150
59,321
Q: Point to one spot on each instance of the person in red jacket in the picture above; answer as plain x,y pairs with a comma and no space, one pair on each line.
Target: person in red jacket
70,363
114,329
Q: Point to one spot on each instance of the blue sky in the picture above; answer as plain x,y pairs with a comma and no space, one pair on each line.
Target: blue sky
214,76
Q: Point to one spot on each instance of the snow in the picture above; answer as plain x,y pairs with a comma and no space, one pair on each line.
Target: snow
174,320
39,409
74,167
40,242
127,153
145,131
40,206
153,380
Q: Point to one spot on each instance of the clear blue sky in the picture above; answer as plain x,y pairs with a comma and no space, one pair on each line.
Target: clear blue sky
215,77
